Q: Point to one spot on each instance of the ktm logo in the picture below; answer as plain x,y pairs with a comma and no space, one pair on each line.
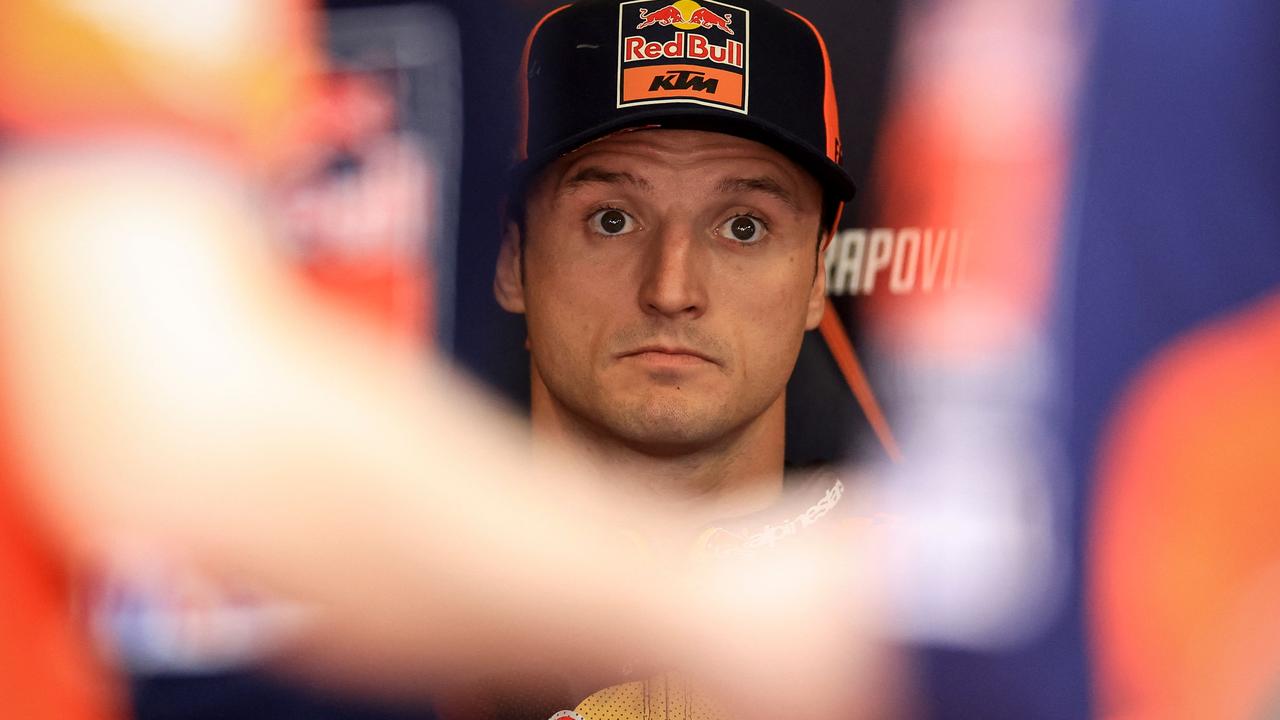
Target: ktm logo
684,80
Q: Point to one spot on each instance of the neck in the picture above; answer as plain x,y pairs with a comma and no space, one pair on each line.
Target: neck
736,474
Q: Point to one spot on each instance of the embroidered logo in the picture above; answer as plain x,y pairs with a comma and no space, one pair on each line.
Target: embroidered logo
683,52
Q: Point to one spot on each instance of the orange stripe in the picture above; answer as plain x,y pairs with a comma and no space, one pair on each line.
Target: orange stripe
522,140
832,330
842,348
835,227
830,113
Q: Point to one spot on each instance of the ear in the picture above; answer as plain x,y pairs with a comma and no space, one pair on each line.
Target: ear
508,276
818,293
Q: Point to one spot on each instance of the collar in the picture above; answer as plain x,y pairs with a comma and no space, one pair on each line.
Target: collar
809,499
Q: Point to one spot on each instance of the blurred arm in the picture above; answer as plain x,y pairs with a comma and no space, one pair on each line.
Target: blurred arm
175,388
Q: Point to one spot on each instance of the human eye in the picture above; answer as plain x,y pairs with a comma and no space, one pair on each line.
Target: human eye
744,229
611,221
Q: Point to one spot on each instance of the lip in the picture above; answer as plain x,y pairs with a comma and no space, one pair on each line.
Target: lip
671,355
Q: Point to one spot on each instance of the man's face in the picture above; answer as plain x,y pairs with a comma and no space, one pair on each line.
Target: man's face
668,278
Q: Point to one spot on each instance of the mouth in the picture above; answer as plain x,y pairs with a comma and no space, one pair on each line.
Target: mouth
668,355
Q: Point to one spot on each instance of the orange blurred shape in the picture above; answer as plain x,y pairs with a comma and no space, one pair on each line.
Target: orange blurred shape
226,74
975,141
47,670
389,291
1004,206
1186,546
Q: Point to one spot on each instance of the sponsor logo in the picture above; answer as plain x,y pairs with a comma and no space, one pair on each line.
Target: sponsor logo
684,80
683,52
721,543
903,260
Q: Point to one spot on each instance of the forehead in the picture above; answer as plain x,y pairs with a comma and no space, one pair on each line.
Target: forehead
656,156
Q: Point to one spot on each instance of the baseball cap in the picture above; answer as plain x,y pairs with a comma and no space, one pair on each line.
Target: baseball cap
749,68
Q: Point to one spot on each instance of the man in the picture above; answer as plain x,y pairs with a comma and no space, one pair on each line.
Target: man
668,275
678,177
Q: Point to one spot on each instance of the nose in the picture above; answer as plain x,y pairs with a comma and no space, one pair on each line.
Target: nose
673,284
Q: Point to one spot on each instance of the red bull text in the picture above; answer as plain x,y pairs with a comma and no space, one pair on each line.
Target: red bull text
683,46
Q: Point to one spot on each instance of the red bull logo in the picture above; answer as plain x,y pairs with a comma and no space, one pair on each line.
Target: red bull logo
668,15
686,15
708,19
683,51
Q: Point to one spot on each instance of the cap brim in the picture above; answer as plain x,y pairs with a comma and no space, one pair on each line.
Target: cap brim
834,179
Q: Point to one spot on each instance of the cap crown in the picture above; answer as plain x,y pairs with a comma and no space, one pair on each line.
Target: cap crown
748,68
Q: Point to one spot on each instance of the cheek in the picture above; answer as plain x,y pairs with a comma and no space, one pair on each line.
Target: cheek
776,289
568,311
771,309
566,270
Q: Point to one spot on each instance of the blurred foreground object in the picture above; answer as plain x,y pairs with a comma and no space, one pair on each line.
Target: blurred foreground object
972,166
224,76
228,75
971,172
1168,278
1187,547
362,208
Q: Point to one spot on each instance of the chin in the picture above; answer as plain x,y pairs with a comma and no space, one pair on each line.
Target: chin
666,429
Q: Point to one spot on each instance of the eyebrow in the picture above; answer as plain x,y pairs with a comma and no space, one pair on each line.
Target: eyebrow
592,174
766,185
